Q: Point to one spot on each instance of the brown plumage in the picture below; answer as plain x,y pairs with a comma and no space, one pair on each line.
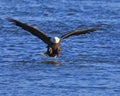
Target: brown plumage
53,46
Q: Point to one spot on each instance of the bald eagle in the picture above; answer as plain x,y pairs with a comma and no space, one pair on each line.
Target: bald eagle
53,44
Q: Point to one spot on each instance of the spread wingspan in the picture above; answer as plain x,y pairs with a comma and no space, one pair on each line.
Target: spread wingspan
32,30
79,32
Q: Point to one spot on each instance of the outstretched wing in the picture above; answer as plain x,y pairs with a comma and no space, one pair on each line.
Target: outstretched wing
78,32
32,30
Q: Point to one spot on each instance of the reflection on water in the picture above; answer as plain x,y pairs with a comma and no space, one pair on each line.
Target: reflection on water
50,62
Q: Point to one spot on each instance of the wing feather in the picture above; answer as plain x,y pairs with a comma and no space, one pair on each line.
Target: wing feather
32,30
79,32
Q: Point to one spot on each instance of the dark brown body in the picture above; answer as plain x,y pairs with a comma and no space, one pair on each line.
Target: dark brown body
53,50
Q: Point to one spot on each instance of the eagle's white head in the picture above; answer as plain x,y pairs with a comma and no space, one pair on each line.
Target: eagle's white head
56,40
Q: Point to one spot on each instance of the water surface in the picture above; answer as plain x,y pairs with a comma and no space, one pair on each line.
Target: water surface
88,64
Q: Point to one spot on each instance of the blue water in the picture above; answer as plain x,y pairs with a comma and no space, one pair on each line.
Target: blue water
89,65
